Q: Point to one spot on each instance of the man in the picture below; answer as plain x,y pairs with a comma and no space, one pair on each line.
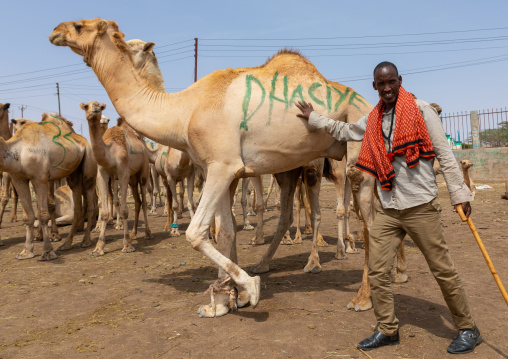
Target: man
401,136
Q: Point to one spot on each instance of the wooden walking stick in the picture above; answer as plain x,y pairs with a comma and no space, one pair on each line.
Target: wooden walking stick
484,251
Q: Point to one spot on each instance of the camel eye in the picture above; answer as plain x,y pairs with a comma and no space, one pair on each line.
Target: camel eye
86,107
78,28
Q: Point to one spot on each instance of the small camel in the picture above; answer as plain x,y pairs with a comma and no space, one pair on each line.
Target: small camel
466,165
120,154
58,152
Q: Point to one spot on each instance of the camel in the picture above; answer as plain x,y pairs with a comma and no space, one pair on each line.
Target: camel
505,195
120,154
58,152
465,165
233,124
5,133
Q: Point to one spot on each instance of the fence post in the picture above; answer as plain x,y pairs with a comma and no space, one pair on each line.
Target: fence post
475,135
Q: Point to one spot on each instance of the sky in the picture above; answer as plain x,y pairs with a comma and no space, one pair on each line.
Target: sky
454,53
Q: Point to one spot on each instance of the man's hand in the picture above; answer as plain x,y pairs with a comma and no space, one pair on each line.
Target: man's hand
306,109
466,207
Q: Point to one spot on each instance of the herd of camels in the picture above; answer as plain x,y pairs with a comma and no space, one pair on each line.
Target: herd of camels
231,124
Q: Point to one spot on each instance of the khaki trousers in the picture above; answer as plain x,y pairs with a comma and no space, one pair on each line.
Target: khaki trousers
423,224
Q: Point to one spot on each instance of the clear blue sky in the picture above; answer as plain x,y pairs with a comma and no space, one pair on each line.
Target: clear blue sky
345,40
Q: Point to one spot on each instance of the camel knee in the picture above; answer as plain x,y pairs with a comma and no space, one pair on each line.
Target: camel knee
124,213
195,236
28,219
355,177
44,217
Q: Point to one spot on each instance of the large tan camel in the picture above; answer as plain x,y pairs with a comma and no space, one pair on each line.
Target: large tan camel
233,123
121,154
41,153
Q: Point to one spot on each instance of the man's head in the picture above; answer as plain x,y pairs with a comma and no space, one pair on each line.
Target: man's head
387,82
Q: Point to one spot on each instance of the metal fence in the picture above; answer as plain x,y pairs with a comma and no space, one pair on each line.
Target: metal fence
492,128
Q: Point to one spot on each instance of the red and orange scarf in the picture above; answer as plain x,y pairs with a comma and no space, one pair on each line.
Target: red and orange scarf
410,138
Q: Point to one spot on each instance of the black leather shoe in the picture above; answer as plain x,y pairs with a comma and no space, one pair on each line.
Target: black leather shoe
465,341
377,340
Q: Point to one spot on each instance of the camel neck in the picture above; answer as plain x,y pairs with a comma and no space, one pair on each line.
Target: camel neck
99,148
153,114
5,131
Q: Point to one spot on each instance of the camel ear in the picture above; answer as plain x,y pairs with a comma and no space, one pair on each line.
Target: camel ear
6,106
101,27
148,46
14,121
103,106
82,106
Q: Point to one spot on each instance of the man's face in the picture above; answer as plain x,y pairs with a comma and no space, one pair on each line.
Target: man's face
387,84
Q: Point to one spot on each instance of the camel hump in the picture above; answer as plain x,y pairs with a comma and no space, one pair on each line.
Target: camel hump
290,61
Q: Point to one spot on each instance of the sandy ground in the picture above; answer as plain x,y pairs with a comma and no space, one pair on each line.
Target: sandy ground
143,304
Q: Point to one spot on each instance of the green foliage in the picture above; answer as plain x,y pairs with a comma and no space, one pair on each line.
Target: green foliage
497,137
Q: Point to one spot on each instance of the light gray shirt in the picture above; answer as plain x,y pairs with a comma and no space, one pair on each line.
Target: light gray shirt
411,186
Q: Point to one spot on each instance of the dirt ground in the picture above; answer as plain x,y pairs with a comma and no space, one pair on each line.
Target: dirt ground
144,304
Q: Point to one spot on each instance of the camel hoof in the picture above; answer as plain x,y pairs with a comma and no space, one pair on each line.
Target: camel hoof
352,251
308,230
361,306
97,252
243,298
399,278
132,235
298,238
257,241
128,249
286,239
207,311
312,268
86,243
174,232
322,243
25,254
118,226
64,247
148,235
48,256
261,267
253,290
55,237
248,227
14,219
166,228
340,256
179,215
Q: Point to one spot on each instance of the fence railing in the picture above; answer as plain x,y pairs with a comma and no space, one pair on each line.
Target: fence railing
492,128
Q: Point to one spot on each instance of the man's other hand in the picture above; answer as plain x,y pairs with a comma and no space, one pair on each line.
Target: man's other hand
306,109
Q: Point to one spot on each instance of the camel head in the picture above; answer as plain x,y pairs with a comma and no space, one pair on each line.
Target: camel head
466,164
437,107
4,109
146,62
93,111
81,36
19,122
104,122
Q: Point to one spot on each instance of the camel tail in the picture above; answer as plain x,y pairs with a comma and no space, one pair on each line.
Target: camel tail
327,171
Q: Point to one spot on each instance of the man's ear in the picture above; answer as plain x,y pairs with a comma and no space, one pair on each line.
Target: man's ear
374,85
400,80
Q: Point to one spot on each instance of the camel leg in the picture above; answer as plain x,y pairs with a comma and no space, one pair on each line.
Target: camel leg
174,232
288,181
365,199
350,243
103,184
25,197
6,184
156,190
41,192
14,217
54,235
124,213
180,199
148,232
134,185
246,224
190,195
168,211
313,265
341,212
260,209
300,190
270,188
505,195
91,201
398,274
216,199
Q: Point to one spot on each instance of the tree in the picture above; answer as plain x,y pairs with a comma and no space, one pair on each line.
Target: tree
497,137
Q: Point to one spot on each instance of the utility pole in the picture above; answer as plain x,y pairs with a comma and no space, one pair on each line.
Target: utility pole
58,94
195,59
22,108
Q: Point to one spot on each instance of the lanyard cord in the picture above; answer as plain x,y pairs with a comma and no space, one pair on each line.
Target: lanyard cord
390,133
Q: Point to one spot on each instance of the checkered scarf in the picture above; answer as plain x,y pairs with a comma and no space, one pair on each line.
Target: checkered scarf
410,138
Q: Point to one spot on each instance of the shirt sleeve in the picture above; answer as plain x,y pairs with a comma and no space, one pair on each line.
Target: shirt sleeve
457,189
339,130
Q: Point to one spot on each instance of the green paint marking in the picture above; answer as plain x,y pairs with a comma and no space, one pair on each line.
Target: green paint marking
246,100
130,145
328,97
55,137
357,97
160,162
342,95
273,97
313,88
297,92
74,143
